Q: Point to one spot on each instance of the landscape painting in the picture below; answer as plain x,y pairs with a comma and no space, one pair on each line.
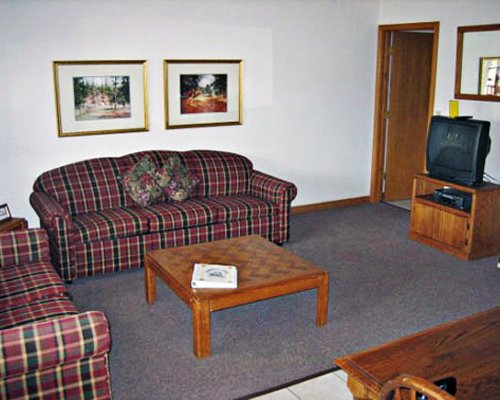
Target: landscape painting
204,93
99,97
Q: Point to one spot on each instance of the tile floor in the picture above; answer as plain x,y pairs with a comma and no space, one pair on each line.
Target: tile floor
406,204
332,386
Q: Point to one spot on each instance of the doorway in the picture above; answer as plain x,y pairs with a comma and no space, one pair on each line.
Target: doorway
404,102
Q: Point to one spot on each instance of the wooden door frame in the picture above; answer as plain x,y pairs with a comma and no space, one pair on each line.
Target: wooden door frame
381,93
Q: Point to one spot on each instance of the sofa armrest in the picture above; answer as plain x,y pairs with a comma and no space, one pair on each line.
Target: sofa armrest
23,246
54,342
279,192
58,223
50,212
273,189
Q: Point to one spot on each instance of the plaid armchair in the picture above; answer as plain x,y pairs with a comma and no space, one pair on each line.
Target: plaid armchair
95,226
49,350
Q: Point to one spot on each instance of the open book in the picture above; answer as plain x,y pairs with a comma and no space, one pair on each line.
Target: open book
214,276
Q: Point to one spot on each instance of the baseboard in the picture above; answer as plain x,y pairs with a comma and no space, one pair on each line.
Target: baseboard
327,205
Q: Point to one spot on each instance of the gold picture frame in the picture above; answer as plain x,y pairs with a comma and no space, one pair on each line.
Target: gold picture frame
200,93
101,97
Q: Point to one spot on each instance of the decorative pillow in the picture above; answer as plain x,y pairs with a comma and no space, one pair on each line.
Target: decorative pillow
175,179
140,182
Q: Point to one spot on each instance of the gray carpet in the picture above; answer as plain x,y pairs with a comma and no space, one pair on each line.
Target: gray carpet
382,286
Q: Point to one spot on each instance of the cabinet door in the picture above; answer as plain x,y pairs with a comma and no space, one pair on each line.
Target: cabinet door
440,225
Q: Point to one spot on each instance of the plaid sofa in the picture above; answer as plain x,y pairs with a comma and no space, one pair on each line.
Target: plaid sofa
49,350
95,227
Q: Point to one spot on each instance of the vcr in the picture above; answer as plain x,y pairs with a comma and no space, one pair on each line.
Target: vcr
453,198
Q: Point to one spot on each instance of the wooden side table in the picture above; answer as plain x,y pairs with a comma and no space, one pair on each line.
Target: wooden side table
466,349
13,224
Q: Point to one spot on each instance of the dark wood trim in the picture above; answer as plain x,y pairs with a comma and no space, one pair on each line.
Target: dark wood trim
458,61
378,129
458,69
327,205
378,151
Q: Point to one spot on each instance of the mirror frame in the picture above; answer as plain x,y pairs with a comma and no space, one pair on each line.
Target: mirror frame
458,70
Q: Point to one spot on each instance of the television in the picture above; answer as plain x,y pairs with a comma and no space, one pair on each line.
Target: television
457,149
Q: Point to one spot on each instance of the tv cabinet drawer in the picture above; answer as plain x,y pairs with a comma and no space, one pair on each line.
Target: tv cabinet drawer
440,225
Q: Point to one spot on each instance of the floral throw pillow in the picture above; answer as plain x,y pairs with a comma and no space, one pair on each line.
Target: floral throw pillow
175,179
140,182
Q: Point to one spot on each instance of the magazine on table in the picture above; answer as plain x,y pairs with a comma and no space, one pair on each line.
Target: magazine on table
214,276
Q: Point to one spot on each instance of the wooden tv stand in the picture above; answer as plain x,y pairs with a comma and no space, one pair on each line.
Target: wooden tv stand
464,234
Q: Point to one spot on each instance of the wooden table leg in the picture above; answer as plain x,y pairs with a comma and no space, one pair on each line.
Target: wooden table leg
149,283
322,301
201,328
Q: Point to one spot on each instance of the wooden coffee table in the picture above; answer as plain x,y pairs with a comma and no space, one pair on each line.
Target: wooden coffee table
467,349
265,270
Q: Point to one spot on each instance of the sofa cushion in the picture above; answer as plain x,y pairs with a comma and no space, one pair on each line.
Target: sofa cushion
40,310
23,246
175,179
111,223
84,186
219,173
233,208
29,282
140,182
170,215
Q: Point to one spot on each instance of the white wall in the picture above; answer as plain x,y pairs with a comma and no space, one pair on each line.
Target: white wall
309,73
308,84
451,14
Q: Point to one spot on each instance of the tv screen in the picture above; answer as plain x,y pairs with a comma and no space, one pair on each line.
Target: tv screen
457,149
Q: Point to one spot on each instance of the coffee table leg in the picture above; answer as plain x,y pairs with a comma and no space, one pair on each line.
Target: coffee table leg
322,301
149,283
201,328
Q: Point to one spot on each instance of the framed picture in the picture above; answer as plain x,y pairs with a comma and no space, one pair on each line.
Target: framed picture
489,78
202,93
99,97
4,212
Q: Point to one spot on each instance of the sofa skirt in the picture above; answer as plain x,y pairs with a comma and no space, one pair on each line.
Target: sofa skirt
85,379
112,255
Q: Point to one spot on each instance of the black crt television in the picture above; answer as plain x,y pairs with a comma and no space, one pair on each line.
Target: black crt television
457,149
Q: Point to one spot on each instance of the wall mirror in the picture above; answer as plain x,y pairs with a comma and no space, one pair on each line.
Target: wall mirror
477,74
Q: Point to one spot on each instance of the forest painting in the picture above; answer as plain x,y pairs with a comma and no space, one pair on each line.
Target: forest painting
203,93
101,97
